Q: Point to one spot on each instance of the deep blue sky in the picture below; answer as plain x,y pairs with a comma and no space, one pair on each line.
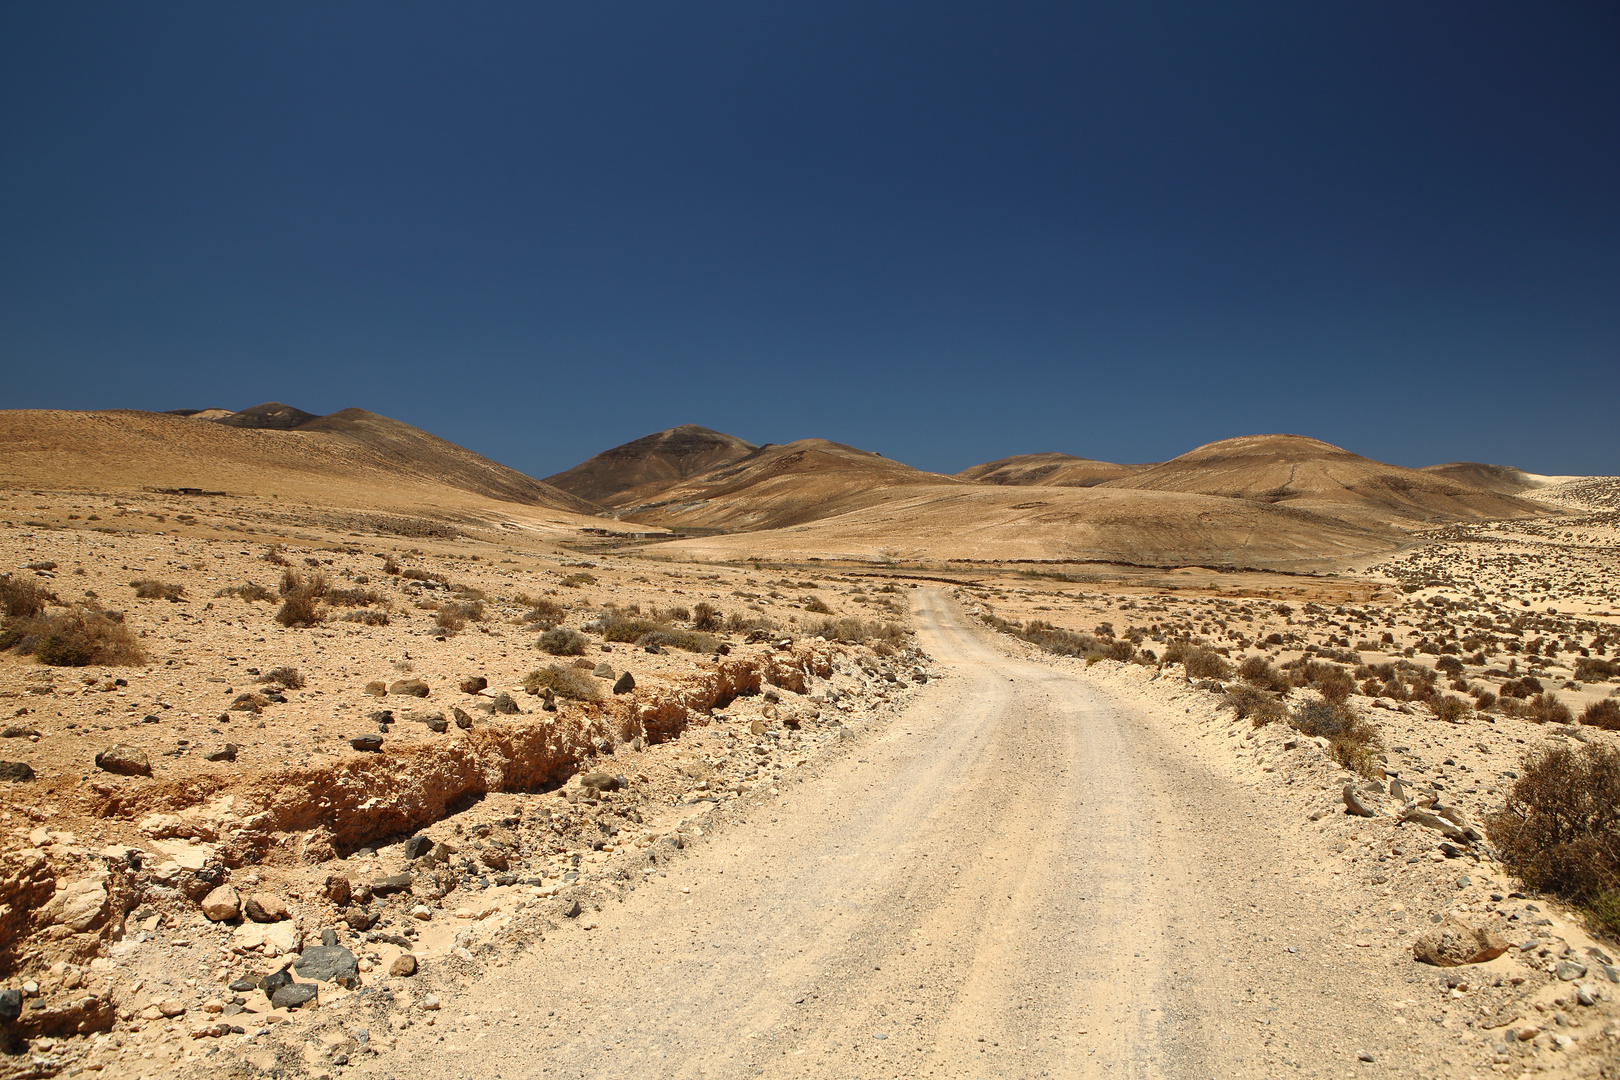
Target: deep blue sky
946,232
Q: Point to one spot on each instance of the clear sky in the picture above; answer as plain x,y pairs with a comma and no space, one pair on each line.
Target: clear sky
947,232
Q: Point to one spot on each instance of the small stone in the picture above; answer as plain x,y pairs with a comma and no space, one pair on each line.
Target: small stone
294,995
572,910
1463,881
1455,943
463,721
504,704
1364,1056
221,904
436,723
1569,971
626,683
359,918
1357,804
403,967
266,908
431,1002
473,684
369,743
338,890
376,688
603,671
224,753
410,688
393,883
1586,995
597,782
329,963
10,1005
124,761
172,1008
243,985
416,847
275,981
16,771
422,912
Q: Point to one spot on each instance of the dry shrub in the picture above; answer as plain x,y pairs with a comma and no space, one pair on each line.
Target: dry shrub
1452,709
707,617
849,629
300,599
1596,669
284,676
1547,709
571,683
616,627
153,589
676,638
413,574
1485,700
574,581
545,614
678,614
76,637
275,556
1260,672
560,641
1200,662
23,596
1603,714
249,592
367,616
1559,830
1254,704
817,606
1354,742
454,615
354,597
738,623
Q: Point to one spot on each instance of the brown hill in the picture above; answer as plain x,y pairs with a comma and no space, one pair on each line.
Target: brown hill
351,458
1308,474
272,416
1502,479
781,485
1048,470
933,521
636,471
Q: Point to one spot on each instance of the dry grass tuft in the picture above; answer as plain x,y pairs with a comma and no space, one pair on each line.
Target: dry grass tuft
570,683
77,637
23,596
1354,742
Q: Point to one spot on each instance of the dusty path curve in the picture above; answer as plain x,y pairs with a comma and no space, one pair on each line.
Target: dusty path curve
1018,878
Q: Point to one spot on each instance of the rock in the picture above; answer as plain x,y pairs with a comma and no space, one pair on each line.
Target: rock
416,847
572,910
393,883
338,890
421,912
281,937
266,908
224,753
123,760
10,1005
359,918
16,771
368,743
1356,803
1610,972
376,688
505,705
1417,816
436,723
626,683
474,683
1569,971
172,1008
403,967
329,963
221,904
597,782
329,937
243,985
409,688
431,1003
1454,943
603,671
293,995
757,727
1586,995
463,721
79,906
275,981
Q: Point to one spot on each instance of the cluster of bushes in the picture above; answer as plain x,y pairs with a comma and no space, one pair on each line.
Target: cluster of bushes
454,615
1056,639
1543,708
1200,661
1596,669
858,630
543,613
1559,830
76,637
574,684
249,592
1354,742
153,589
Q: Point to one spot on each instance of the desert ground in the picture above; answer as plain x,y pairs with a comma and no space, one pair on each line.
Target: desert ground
713,759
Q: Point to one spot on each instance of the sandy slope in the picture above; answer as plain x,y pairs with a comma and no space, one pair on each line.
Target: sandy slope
1048,470
982,522
1021,877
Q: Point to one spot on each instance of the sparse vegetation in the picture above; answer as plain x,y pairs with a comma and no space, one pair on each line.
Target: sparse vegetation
565,682
152,589
543,613
561,641
1254,704
454,615
354,597
1547,709
1559,830
23,596
706,617
79,636
249,592
287,677
817,606
1452,709
301,598
1354,742
1200,661
1603,714
367,616
862,630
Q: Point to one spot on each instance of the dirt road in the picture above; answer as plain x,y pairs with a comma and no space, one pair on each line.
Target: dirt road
1018,878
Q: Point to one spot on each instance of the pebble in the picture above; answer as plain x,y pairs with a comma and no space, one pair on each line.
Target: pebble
431,1002
1569,971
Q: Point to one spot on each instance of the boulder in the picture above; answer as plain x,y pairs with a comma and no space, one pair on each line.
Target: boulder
329,963
1454,943
473,684
221,904
283,936
416,847
404,966
79,906
338,891
124,760
409,688
16,771
266,908
626,683
293,995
